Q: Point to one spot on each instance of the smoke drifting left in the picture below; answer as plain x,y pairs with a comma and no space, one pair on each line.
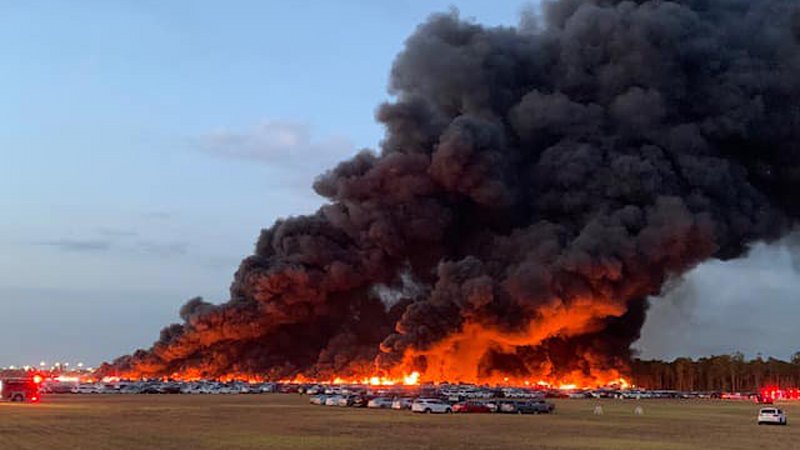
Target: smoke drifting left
535,186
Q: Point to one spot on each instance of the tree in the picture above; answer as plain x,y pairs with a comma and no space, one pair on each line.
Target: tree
729,373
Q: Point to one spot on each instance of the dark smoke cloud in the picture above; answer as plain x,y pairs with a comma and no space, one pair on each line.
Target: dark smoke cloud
569,166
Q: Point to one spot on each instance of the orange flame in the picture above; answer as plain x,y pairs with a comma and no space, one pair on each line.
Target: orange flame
459,358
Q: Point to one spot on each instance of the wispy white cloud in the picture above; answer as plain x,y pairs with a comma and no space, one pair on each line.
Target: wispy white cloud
78,245
118,242
163,248
278,143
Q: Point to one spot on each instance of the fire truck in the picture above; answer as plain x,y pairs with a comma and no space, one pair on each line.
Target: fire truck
20,389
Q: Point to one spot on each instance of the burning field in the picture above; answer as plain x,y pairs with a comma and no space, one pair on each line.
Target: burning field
535,187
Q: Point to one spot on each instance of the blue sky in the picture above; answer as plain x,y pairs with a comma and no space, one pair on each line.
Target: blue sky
145,143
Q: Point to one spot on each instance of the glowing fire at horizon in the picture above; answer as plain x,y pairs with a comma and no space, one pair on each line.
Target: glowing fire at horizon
414,378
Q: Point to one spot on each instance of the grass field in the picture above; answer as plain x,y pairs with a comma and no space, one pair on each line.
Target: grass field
287,421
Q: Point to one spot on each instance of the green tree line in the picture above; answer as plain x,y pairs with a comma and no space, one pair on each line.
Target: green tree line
726,373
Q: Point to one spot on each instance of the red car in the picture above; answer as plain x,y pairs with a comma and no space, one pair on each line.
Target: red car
471,407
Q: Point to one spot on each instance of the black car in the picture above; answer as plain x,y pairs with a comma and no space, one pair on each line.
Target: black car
357,401
543,406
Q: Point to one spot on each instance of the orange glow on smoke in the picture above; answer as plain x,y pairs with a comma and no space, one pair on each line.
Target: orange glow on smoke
569,382
609,379
411,379
460,357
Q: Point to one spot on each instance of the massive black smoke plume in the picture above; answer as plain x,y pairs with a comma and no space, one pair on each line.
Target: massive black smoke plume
535,185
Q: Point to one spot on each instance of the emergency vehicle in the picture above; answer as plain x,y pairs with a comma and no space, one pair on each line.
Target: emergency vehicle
20,389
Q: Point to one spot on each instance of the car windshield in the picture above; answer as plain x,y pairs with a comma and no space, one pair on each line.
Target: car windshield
767,411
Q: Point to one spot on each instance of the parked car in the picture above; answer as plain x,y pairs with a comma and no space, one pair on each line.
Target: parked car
525,407
348,400
380,402
359,401
267,388
288,389
313,390
87,389
431,405
774,416
764,400
318,399
402,403
130,389
471,407
333,400
543,406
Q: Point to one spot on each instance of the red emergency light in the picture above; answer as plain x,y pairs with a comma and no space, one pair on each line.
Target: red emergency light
774,393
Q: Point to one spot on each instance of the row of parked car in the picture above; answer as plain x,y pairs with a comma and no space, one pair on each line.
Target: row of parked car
453,393
161,387
436,405
458,392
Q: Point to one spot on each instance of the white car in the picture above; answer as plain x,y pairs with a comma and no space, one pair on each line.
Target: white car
87,389
771,415
346,400
333,400
431,405
380,402
402,403
318,399
313,390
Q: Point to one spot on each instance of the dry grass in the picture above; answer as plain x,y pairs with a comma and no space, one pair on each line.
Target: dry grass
289,422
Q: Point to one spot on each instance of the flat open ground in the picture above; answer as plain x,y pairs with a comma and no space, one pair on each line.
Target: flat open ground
287,421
